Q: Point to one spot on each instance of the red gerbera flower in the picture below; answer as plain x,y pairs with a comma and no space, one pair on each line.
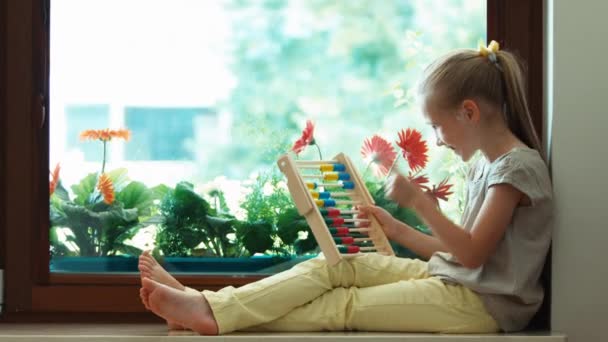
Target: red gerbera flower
419,180
441,191
414,148
306,139
54,179
378,154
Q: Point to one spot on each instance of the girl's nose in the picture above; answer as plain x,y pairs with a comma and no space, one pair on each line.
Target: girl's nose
439,142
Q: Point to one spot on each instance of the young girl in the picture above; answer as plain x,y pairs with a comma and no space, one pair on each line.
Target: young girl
481,276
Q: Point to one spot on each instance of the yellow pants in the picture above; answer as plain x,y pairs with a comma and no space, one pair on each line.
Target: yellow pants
369,292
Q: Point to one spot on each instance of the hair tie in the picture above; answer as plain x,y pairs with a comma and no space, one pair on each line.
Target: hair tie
490,52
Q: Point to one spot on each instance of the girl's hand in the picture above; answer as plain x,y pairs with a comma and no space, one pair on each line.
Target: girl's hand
399,189
388,223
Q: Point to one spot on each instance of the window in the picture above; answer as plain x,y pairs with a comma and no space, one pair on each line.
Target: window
27,146
217,110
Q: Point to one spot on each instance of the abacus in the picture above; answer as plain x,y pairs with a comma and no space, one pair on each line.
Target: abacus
325,193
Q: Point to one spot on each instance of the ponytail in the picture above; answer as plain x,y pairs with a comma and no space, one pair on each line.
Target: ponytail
517,113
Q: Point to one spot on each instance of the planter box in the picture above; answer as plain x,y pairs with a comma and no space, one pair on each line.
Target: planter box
128,264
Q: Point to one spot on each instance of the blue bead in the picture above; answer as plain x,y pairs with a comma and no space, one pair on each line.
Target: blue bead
348,185
324,194
329,203
343,176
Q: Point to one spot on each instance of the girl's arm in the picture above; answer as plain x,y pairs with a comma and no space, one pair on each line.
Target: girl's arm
421,244
472,249
400,232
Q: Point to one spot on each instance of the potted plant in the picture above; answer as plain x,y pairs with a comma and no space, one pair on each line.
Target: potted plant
104,210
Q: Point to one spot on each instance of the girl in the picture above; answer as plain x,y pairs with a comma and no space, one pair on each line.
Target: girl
481,276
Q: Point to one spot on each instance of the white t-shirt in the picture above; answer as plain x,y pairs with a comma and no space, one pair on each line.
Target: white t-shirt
508,283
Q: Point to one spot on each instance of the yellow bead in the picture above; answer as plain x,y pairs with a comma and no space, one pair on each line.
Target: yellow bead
332,176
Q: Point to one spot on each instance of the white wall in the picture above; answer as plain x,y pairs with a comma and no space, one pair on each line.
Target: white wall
577,109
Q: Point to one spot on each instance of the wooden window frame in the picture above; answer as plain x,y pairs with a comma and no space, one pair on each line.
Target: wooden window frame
31,292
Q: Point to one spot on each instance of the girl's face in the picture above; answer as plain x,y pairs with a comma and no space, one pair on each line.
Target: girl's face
451,129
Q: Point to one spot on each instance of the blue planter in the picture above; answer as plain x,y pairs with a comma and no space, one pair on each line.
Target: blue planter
128,264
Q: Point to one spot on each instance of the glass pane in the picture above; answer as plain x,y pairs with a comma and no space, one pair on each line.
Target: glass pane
168,118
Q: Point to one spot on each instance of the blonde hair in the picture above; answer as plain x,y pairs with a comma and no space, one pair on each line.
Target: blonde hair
467,74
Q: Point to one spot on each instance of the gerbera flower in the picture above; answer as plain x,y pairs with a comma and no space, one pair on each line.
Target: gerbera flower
414,149
306,139
105,186
54,179
441,191
378,154
121,133
105,134
420,180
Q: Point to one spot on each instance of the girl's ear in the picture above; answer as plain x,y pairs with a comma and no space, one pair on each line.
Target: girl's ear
471,111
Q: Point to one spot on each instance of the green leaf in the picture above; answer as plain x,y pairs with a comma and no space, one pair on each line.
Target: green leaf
160,191
256,236
116,217
220,225
61,193
96,233
185,222
136,195
84,189
289,224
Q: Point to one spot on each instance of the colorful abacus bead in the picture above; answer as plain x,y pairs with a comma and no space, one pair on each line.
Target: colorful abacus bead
344,240
348,185
348,249
339,231
334,176
336,221
330,212
325,203
332,167
320,194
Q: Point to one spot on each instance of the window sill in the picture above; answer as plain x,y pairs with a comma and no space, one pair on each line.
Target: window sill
158,332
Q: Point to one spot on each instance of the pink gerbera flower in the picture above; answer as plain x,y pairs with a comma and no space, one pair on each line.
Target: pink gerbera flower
414,149
306,139
379,154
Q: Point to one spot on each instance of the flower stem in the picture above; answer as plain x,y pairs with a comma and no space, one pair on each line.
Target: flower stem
319,149
103,163
391,168
366,170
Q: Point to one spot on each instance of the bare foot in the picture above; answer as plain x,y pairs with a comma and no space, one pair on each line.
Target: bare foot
186,308
150,268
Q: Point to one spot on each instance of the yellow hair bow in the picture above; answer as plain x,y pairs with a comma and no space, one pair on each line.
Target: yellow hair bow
489,50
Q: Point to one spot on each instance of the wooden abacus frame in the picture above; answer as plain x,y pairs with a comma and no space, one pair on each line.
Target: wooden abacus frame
307,206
